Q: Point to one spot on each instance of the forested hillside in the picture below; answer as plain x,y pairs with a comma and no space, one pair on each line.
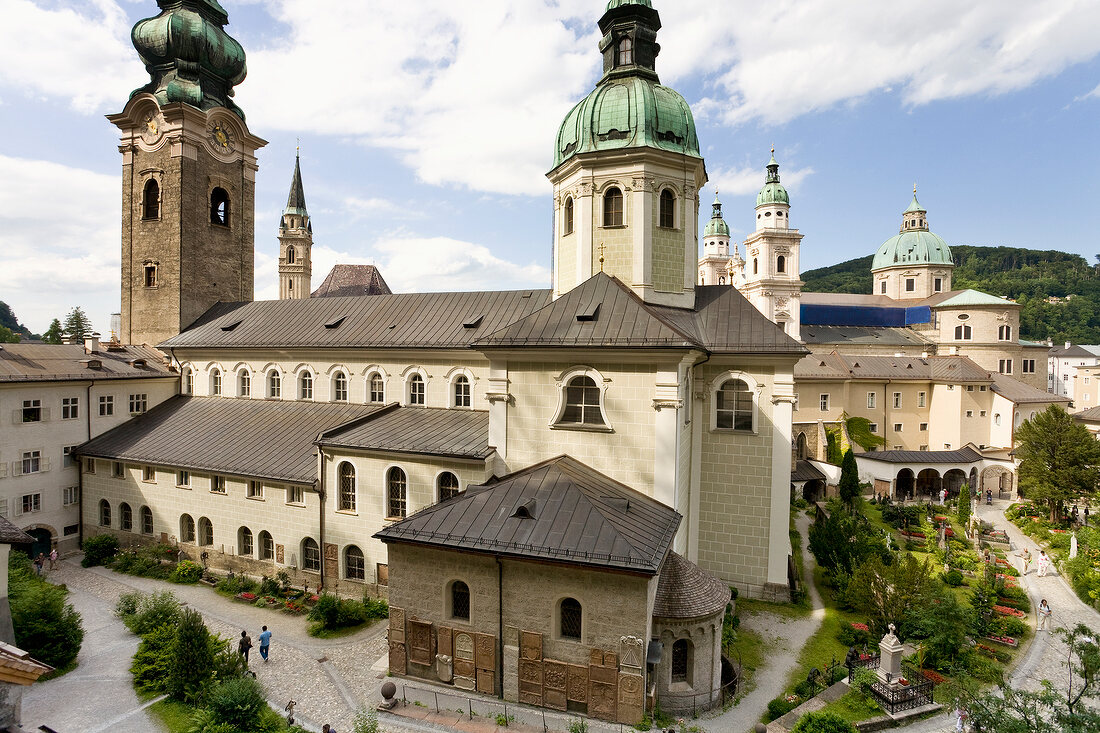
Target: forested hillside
11,323
1027,276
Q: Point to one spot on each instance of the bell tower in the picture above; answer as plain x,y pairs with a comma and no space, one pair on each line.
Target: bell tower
771,281
295,242
188,174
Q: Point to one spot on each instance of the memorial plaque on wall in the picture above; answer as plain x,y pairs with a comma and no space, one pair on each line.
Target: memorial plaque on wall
397,657
332,560
555,680
595,657
631,698
530,645
443,641
630,653
279,554
611,659
602,699
420,642
577,686
485,682
397,624
485,651
530,682
606,675
465,683
465,671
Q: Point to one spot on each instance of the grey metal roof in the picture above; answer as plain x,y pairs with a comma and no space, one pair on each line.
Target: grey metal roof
603,312
1090,415
401,320
1073,351
352,280
950,369
70,362
1020,393
806,471
577,516
862,335
425,431
269,439
966,454
685,591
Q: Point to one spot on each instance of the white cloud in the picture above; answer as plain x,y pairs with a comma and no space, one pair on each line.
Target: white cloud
749,179
60,251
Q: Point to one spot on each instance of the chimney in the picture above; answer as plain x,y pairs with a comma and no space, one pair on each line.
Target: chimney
954,351
91,343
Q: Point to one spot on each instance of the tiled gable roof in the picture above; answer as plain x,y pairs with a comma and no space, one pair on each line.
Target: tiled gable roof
345,280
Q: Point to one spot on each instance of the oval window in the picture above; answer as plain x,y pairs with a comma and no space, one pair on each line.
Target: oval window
964,317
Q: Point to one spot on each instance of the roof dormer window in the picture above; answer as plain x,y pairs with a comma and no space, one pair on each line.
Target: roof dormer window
626,52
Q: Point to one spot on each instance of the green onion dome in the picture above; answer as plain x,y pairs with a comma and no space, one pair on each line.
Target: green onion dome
915,244
773,191
717,226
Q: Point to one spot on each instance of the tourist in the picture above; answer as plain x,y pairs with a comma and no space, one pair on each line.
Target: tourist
960,717
38,561
265,642
1027,562
53,558
244,645
326,728
1044,563
1074,515
1044,616
1086,515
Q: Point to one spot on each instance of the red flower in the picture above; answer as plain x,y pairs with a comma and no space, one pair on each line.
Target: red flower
247,596
861,627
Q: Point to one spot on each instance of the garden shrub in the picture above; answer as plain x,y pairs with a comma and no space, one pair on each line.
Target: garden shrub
953,578
187,572
331,612
269,587
779,707
982,669
237,702
153,659
127,604
852,635
1010,626
151,611
376,608
46,627
234,584
99,549
192,658
823,722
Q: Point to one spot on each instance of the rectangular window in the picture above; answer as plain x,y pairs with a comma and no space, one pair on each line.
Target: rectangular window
117,470
982,388
217,484
897,427
924,427
922,397
937,284
139,403
71,529
1029,368
89,465
924,447
873,427
882,287
981,413
823,403
70,408
32,410
106,405
149,474
897,400
255,490
947,446
910,285
970,388
4,508
871,400
31,503
31,461
70,495
183,479
67,459
1004,366
295,495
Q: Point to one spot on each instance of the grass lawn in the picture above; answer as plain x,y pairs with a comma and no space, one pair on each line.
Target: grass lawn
749,651
321,633
752,607
175,716
853,708
59,672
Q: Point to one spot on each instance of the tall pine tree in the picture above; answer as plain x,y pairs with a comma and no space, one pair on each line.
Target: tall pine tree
77,324
53,333
1059,460
849,478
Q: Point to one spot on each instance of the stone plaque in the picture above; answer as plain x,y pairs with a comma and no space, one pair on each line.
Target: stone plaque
485,682
577,686
443,641
530,645
465,668
555,675
631,698
605,675
463,682
397,657
420,642
595,657
485,653
332,560
602,700
630,653
554,699
464,645
611,659
530,694
530,672
397,624
279,554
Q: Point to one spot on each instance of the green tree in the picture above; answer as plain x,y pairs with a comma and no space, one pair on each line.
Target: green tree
53,333
886,593
7,336
859,431
192,666
849,479
943,623
77,325
823,722
46,627
842,541
1059,460
1048,710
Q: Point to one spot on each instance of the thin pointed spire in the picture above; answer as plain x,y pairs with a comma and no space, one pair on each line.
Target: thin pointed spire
296,201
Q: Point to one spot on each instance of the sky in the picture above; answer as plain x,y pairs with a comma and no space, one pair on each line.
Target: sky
427,128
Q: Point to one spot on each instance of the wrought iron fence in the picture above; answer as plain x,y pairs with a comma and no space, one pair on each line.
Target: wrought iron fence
895,698
862,661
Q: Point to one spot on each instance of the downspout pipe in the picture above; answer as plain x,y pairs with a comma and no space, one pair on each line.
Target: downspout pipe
500,627
321,505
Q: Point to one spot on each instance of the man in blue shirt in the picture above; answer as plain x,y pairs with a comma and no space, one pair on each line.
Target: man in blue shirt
265,641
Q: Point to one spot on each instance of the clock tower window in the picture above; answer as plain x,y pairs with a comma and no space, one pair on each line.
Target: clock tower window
150,200
219,207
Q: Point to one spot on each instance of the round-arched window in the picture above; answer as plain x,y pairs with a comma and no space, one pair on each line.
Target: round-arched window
187,528
460,600
613,208
354,563
346,481
396,499
290,255
570,625
448,486
733,409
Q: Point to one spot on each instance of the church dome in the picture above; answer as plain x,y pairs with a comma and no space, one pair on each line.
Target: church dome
717,226
773,191
915,244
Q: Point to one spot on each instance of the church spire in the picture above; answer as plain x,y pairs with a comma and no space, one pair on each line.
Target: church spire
296,201
295,240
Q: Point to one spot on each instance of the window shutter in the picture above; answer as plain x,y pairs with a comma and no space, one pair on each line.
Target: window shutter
18,506
44,464
45,414
3,470
16,468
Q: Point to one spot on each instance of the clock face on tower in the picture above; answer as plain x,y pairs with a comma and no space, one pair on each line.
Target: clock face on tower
150,127
221,137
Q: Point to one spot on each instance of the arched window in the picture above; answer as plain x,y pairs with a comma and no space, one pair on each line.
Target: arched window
681,661
1004,333
755,266
354,564
582,402
290,255
187,528
963,332
613,208
311,555
305,386
448,486
626,52
460,600
803,450
567,227
339,387
244,542
188,381
668,209
377,388
244,383
274,384
569,612
462,391
346,482
219,207
216,382
721,280
267,546
733,406
125,517
206,532
396,486
104,513
781,264
416,389
150,200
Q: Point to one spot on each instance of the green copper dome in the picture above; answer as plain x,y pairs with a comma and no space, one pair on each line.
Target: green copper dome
915,245
619,3
717,226
773,191
188,55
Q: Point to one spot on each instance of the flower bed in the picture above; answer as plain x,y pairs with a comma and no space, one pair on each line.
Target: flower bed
1006,640
861,627
293,608
246,597
935,677
913,534
1008,579
1006,611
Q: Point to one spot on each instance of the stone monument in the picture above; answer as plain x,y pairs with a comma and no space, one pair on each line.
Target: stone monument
890,649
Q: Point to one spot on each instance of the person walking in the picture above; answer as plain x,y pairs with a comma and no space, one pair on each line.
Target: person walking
265,642
53,558
38,561
960,717
1044,616
1027,561
244,645
1086,515
1044,564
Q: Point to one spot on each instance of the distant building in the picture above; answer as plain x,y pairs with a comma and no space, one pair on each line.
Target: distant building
1062,365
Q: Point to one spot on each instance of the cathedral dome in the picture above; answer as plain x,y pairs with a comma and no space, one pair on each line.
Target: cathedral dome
915,244
773,191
